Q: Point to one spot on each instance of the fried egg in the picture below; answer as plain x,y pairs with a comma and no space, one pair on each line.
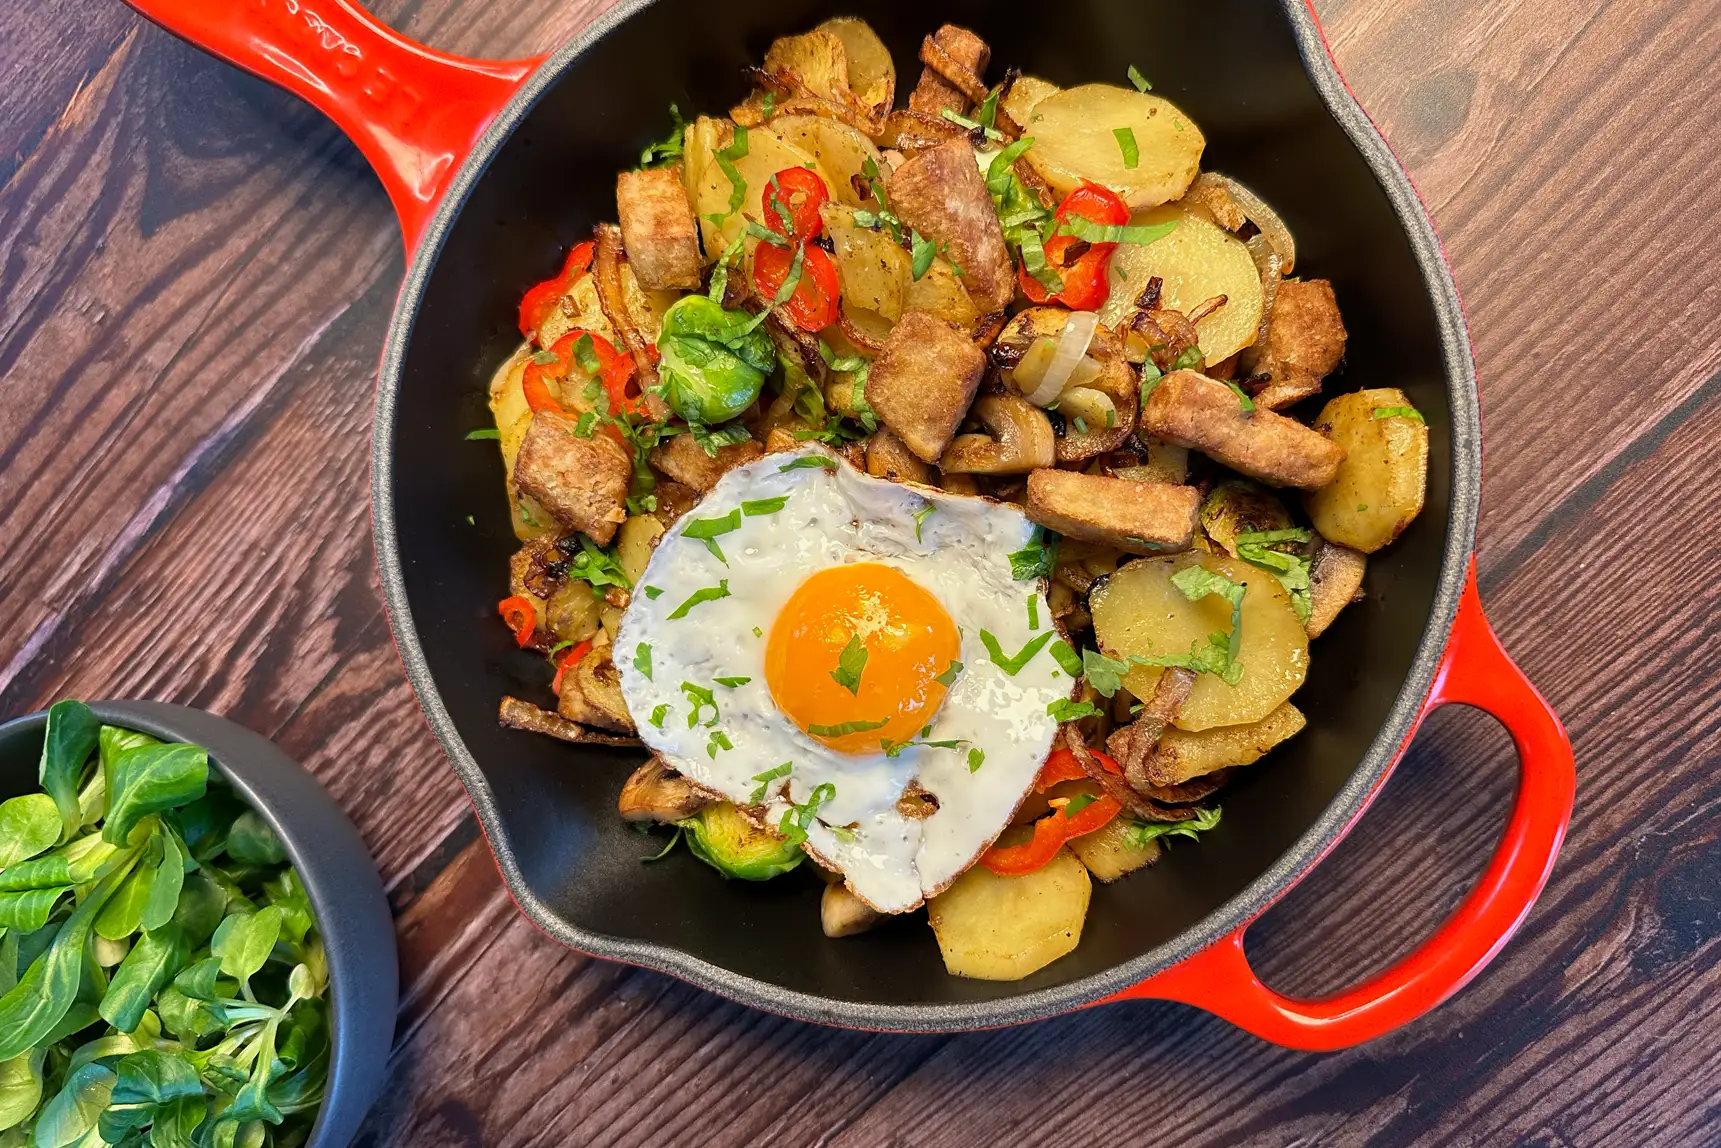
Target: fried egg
818,645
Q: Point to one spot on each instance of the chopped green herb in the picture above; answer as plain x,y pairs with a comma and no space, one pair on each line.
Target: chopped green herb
797,818
759,506
726,158
846,728
1139,80
711,440
597,566
949,675
668,149
700,698
1036,559
1021,215
922,250
654,592
732,683
895,748
971,125
1013,665
1150,376
976,757
765,235
850,663
586,354
758,633
708,594
806,461
719,740
1291,568
1139,235
674,840
765,779
875,185
642,660
483,433
1081,424
1065,710
1410,413
1033,611
770,102
1078,803
920,517
1361,506
708,530
658,714
586,425
1141,832
1126,144
1188,359
987,114
1243,400
470,521
1066,657
720,274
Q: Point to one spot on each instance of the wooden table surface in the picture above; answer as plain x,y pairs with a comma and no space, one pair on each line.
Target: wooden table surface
195,275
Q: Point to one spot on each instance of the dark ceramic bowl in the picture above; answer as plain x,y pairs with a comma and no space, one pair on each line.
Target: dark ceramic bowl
339,876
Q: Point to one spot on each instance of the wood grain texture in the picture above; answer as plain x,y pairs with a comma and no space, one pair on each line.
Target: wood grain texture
195,274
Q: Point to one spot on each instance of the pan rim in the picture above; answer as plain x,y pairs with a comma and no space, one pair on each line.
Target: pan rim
1262,892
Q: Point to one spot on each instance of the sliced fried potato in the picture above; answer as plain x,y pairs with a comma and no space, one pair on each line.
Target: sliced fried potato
1074,139
873,268
709,185
1004,928
1026,92
1384,475
817,60
1196,262
1183,754
940,292
840,149
871,71
634,544
1139,611
1109,852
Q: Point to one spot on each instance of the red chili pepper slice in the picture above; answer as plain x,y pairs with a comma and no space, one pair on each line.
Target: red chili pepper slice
1086,284
535,306
814,305
614,369
521,616
568,662
1062,765
801,192
1050,834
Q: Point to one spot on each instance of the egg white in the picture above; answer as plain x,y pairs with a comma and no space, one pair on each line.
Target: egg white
831,517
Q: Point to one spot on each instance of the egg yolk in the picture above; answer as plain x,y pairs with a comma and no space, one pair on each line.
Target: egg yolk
855,655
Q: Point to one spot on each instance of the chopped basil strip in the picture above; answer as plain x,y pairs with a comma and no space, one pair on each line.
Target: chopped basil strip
719,740
1150,376
765,779
708,530
654,592
1379,412
1036,559
1141,832
732,683
708,594
760,506
668,149
1067,658
642,660
920,517
1078,803
949,674
700,697
1033,612
483,433
809,460
1139,235
971,125
1243,400
1013,665
895,748
976,757
846,728
658,714
1065,710
1139,80
850,663
922,250
1188,359
797,818
1126,144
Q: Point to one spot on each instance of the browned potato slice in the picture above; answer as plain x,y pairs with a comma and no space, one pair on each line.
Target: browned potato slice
1379,487
634,544
1019,102
1073,140
1335,577
1165,462
1139,611
1109,853
709,187
872,73
888,457
1004,928
940,292
1183,754
872,267
818,60
840,149
1195,263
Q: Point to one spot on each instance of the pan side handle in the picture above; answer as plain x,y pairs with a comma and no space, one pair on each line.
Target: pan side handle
414,112
1475,671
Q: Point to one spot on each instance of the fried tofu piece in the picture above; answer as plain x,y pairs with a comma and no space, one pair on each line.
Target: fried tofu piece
889,457
581,480
686,461
933,94
1190,409
1136,517
1293,388
658,230
923,381
1306,334
781,439
940,193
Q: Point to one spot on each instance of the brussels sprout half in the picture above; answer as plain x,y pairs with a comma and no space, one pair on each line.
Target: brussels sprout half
735,847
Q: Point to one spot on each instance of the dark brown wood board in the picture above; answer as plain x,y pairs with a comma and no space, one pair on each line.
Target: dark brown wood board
195,275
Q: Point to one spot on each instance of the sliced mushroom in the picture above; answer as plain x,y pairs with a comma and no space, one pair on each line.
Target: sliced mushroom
1019,439
591,693
517,714
654,792
843,914
889,457
1335,581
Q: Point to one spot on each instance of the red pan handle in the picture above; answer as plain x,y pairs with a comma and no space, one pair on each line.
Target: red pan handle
1474,671
414,112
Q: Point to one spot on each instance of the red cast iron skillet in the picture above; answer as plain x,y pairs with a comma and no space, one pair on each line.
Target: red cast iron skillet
496,168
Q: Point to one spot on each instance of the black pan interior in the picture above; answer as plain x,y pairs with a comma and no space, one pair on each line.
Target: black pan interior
1231,64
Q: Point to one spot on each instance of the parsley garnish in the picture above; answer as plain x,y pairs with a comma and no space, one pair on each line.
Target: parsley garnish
719,740
1141,832
1292,569
1064,709
920,517
976,757
809,460
765,779
658,714
1150,376
654,592
1126,144
699,697
850,663
708,594
1067,658
1013,665
492,432
949,674
796,818
668,149
1036,559
760,506
1139,80
1021,215
707,530
642,660
597,566
846,728
586,355
1379,412
712,440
